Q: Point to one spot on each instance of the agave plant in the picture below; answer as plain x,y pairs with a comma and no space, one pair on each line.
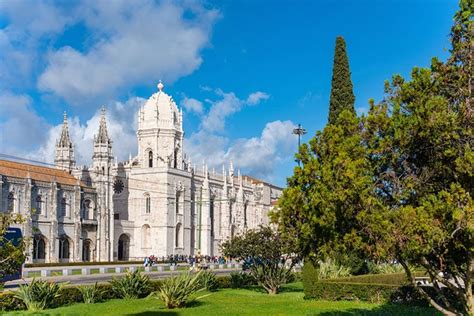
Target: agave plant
91,293
180,290
39,294
208,280
132,285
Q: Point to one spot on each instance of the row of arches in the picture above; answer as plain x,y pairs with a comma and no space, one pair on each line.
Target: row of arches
65,248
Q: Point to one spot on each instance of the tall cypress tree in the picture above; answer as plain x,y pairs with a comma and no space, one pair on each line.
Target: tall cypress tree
342,96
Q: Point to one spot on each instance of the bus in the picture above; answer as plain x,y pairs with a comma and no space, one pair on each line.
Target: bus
14,236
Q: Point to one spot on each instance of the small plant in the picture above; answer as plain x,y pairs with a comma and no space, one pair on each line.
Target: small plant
208,280
330,270
39,294
241,280
90,294
180,290
132,285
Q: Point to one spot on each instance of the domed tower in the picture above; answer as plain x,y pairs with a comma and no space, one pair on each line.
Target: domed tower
160,132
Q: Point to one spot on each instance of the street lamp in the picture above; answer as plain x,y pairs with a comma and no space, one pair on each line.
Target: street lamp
300,131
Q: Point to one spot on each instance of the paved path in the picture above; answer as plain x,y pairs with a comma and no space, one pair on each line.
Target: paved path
104,278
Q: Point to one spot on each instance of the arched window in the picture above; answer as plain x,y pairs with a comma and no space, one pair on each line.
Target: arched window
146,236
64,247
11,202
62,207
176,202
176,158
39,248
39,204
150,159
88,209
87,250
179,236
147,203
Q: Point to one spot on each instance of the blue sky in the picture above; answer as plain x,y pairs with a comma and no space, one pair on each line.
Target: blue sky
245,72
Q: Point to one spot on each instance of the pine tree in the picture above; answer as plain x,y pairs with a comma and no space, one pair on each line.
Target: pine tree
342,96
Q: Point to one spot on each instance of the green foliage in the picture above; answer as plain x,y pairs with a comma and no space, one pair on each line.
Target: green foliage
8,302
240,280
342,95
12,255
384,268
180,290
398,183
91,293
132,285
264,252
38,294
208,280
329,269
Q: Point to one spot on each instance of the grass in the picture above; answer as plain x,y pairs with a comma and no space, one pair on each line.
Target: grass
239,302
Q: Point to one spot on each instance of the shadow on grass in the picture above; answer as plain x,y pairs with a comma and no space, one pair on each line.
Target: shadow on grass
168,312
286,288
387,309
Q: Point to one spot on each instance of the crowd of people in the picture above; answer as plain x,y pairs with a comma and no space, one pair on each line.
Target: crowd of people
191,260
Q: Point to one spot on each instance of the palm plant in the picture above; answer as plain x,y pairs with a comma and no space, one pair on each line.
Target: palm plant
180,290
38,294
132,285
208,280
90,294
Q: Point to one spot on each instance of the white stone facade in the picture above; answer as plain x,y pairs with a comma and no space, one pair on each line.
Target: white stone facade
155,203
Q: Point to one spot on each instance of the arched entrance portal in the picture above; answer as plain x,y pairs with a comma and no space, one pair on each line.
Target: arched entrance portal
87,250
123,247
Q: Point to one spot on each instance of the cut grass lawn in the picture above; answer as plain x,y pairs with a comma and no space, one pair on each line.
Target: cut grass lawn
239,302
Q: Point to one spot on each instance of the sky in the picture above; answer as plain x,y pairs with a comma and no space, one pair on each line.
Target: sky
245,73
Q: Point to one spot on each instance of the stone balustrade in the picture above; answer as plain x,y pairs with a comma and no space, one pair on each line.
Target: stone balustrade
113,269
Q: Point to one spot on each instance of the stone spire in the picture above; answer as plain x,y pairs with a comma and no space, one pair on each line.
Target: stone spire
102,136
102,157
64,157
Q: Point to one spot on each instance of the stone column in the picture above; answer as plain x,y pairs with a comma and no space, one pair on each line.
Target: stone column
28,225
76,212
53,231
206,218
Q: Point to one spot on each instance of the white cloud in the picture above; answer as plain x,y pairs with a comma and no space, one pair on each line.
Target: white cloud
229,104
257,97
136,42
21,129
31,26
121,127
192,105
257,156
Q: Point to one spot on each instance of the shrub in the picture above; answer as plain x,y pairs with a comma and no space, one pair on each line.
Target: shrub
180,290
132,285
223,282
39,294
91,294
241,279
8,302
208,280
329,269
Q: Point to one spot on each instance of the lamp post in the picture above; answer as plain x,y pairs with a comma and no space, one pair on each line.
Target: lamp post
300,131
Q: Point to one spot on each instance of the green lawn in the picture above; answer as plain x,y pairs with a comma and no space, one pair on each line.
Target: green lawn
239,302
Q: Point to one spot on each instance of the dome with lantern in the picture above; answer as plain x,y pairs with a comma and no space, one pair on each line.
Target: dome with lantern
160,111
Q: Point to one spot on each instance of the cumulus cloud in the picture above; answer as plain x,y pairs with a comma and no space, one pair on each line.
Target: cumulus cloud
258,156
136,42
227,105
121,127
21,128
31,26
192,105
257,97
